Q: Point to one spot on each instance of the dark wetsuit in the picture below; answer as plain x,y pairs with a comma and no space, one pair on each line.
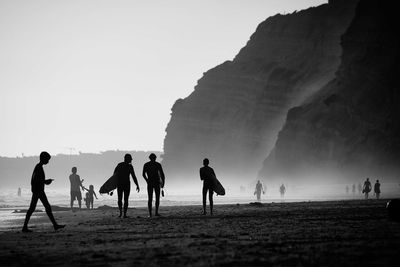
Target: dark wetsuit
377,189
123,170
206,173
37,187
155,180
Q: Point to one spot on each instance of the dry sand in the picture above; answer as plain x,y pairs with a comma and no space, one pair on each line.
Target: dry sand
335,233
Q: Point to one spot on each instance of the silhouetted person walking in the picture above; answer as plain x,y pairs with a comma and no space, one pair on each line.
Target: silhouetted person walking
155,179
76,185
122,171
347,189
367,188
206,174
353,189
37,186
377,189
19,191
258,190
282,190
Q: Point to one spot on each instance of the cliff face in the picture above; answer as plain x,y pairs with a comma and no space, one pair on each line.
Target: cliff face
236,110
352,126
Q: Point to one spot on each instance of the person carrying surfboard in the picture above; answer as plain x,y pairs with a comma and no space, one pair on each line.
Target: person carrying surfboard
154,176
122,172
206,175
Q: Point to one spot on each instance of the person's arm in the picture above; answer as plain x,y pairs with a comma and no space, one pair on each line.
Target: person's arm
80,182
134,178
162,176
144,173
45,181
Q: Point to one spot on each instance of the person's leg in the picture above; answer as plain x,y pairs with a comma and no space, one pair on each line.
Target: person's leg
150,198
204,199
127,191
210,195
119,193
31,209
46,204
157,192
72,200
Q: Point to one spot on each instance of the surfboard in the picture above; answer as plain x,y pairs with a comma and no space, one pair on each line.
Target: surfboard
217,186
109,185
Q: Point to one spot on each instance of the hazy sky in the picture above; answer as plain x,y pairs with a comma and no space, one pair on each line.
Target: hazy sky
98,75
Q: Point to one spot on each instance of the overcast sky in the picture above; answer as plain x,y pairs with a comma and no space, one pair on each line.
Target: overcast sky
99,75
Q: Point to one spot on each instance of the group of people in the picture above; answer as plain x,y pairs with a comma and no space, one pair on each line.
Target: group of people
152,173
76,184
366,189
260,188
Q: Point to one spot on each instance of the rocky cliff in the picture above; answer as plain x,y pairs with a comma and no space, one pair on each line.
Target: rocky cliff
351,127
236,110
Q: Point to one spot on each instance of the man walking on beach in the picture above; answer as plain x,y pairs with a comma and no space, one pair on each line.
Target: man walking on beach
37,186
155,179
377,189
122,171
258,190
76,184
206,175
282,190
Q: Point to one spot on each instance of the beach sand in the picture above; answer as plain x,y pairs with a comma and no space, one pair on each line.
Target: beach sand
332,233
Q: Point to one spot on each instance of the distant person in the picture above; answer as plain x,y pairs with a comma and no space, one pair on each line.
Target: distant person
259,188
19,191
122,171
367,188
347,189
360,189
377,189
353,189
90,196
154,176
76,185
86,200
282,190
206,175
37,186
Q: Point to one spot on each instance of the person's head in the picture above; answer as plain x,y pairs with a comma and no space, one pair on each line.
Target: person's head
74,169
128,158
44,157
258,181
377,181
152,157
206,162
91,187
367,179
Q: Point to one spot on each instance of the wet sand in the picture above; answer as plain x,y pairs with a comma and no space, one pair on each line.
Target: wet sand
332,233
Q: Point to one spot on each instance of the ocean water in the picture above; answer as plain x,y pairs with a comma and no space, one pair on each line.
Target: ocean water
9,201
